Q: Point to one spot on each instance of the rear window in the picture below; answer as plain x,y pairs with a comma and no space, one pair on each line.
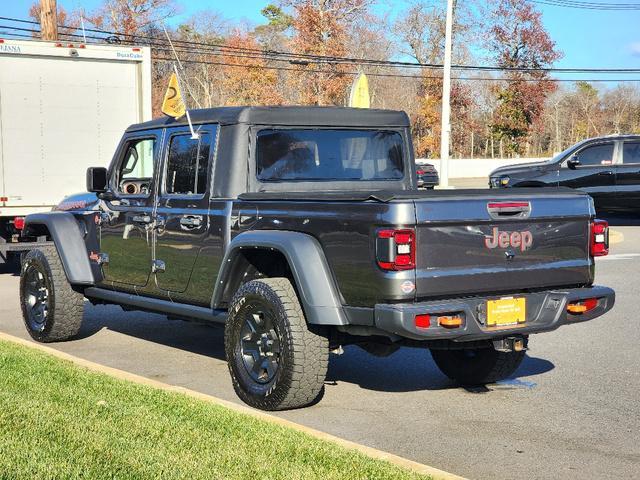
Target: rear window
317,155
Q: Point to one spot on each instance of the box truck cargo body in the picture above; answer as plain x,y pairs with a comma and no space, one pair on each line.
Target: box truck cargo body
63,108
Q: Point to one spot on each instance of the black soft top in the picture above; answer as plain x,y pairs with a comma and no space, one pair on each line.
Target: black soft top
286,116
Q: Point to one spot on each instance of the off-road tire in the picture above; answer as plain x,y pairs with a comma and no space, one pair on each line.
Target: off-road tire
65,305
303,354
477,366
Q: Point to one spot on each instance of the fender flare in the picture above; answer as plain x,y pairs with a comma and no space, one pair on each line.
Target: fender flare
318,293
68,239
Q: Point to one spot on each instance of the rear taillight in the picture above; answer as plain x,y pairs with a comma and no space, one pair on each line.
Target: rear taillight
396,249
421,172
583,306
18,223
599,238
423,321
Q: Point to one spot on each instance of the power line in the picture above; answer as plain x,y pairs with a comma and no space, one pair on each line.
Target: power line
265,56
316,70
589,5
207,48
397,75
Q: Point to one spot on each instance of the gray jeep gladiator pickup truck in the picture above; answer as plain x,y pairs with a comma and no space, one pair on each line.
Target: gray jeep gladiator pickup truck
302,230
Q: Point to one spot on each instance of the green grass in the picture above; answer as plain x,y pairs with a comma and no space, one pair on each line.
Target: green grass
58,420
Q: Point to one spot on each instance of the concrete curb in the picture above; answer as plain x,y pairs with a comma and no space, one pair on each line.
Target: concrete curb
404,463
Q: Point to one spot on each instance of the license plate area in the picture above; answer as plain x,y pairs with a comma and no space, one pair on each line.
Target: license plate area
506,311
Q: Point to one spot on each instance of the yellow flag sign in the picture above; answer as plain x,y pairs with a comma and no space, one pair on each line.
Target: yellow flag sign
173,105
359,97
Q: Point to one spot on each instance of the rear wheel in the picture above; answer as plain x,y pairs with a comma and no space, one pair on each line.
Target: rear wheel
477,366
276,360
51,309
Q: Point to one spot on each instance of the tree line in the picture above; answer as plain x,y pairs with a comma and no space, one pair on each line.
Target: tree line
307,52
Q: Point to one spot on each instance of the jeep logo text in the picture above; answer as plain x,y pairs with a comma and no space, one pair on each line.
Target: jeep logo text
522,240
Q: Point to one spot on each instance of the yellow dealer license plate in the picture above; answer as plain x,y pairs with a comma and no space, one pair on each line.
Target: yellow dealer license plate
506,311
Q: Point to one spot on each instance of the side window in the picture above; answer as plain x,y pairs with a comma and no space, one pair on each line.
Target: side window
631,152
596,155
136,168
187,165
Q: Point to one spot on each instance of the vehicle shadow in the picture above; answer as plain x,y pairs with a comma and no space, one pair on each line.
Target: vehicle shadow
10,268
408,369
193,337
413,369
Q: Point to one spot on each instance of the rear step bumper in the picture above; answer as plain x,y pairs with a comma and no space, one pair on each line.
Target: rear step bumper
545,311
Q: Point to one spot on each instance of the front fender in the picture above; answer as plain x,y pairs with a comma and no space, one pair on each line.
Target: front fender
318,294
68,239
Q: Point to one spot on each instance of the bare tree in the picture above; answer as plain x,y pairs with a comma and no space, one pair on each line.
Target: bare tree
131,16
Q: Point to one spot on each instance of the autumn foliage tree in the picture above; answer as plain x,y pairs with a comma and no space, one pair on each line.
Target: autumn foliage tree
521,45
321,28
245,77
422,32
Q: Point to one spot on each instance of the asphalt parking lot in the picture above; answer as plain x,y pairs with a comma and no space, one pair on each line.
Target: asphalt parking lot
571,410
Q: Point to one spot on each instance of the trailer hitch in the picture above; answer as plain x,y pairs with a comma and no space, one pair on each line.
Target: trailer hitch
511,344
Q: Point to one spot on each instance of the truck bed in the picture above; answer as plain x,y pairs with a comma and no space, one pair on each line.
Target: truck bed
455,232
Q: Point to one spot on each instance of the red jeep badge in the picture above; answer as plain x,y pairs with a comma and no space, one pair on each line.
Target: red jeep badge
522,240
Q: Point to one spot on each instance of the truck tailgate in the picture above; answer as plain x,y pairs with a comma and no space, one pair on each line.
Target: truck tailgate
474,243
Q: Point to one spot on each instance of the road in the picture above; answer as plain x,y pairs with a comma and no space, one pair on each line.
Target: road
571,411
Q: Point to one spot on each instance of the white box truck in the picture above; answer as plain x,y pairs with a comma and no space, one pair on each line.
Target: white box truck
63,108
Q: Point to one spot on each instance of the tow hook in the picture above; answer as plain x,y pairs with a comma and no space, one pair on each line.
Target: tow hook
510,344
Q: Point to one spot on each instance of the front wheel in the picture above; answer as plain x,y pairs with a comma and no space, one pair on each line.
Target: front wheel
52,310
477,366
275,359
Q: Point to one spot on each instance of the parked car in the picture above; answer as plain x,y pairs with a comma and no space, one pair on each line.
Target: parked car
607,168
302,230
427,175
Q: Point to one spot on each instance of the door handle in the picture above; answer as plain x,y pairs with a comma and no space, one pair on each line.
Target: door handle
191,221
606,172
141,219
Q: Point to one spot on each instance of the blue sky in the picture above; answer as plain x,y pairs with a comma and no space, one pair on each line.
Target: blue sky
588,38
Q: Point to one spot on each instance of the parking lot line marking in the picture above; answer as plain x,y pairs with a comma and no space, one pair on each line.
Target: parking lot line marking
517,383
618,256
405,463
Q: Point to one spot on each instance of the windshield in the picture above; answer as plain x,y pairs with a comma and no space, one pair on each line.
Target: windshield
328,154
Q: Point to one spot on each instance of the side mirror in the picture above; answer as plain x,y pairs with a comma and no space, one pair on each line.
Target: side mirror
97,179
573,162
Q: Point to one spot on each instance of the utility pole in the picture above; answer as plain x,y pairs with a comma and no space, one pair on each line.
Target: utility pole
48,20
446,100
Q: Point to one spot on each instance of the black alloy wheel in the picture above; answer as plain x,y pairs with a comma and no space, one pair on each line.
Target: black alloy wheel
35,298
276,360
260,343
52,309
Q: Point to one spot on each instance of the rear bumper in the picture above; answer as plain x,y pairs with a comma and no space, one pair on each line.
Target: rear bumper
545,311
